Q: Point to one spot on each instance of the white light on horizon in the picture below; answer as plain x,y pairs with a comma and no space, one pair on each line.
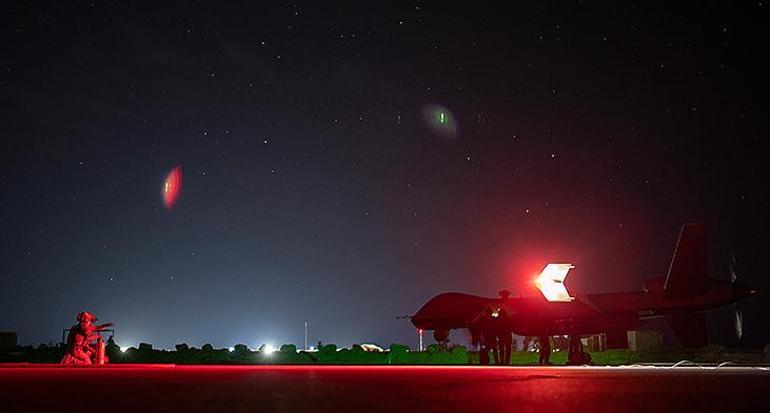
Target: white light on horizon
123,349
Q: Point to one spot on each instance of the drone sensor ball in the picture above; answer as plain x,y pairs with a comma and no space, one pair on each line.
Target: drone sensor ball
172,187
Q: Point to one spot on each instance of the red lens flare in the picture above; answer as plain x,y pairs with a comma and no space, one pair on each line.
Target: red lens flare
172,187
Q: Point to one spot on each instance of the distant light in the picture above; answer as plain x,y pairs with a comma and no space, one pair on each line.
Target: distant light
123,349
311,348
268,349
172,187
231,349
372,347
440,120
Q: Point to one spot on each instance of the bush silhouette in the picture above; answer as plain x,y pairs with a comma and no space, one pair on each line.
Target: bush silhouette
433,348
288,349
458,355
398,354
241,349
112,351
328,349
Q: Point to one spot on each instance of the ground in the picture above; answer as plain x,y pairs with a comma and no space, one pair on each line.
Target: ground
138,388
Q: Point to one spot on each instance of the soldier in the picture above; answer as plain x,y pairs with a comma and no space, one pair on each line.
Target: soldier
545,350
504,334
483,335
80,350
488,334
475,328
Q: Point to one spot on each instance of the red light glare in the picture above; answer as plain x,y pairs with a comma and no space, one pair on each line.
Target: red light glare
551,282
172,187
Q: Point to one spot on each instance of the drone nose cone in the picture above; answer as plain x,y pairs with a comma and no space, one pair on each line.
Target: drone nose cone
419,319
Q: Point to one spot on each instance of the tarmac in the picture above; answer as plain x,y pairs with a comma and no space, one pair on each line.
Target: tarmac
170,388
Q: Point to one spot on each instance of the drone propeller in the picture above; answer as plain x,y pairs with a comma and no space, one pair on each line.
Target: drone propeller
733,274
737,311
738,319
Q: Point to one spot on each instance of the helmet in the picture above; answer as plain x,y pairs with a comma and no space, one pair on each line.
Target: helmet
85,315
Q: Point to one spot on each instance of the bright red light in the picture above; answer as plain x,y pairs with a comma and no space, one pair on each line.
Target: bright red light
172,187
551,282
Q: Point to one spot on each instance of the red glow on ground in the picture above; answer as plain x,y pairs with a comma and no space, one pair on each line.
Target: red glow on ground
172,187
142,387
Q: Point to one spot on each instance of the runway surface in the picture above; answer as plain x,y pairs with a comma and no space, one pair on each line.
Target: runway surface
168,388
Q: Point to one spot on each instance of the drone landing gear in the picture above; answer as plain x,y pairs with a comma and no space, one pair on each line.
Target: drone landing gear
575,355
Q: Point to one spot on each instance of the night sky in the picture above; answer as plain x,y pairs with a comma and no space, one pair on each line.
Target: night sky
344,163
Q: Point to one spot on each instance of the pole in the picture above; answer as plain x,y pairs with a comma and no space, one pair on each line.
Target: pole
305,335
420,333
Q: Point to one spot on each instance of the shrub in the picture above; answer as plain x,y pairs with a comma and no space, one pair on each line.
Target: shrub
458,355
241,349
288,349
398,348
398,354
328,349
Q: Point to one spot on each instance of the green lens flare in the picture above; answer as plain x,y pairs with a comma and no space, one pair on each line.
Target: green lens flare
440,120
